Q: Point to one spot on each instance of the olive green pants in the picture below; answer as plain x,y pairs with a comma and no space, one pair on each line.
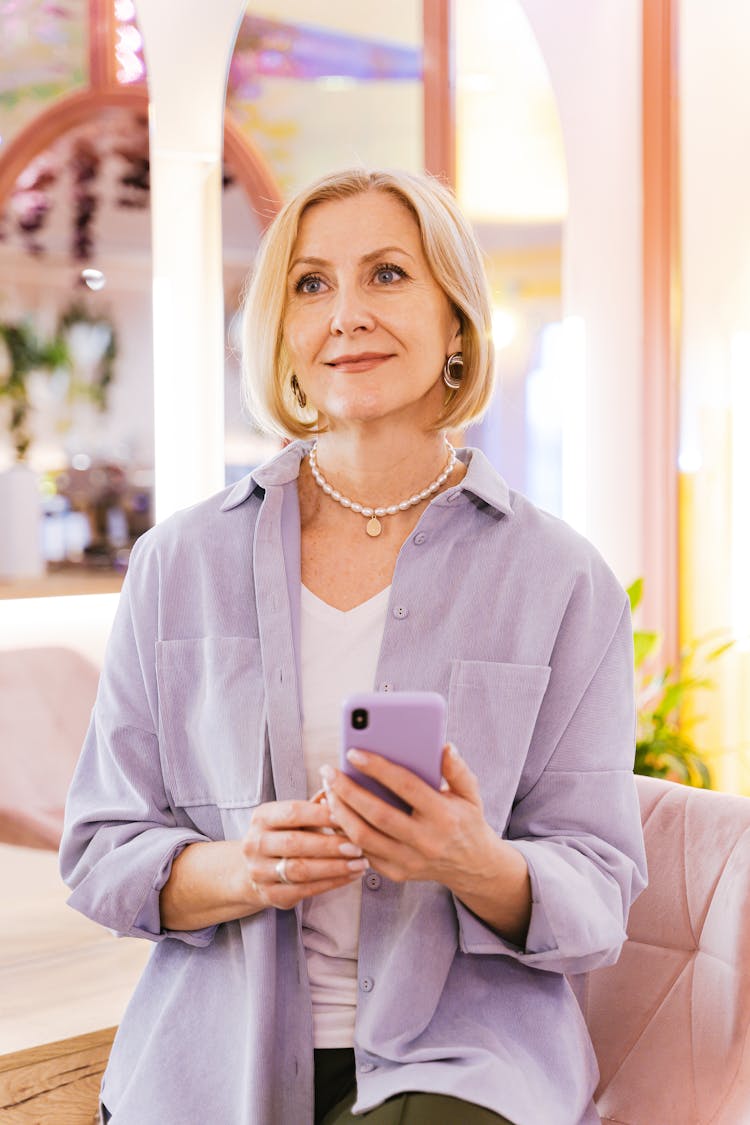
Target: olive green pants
336,1092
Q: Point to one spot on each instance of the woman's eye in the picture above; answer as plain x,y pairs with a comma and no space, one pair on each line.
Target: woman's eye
388,274
309,284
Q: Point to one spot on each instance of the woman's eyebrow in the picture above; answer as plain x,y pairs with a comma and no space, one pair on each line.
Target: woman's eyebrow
369,257
383,250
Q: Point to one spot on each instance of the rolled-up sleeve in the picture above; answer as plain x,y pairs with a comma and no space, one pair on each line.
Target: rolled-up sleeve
121,835
577,822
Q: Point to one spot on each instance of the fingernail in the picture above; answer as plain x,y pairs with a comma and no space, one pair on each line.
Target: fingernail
356,757
327,773
350,849
357,865
453,751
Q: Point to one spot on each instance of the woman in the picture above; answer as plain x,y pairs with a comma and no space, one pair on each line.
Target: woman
424,958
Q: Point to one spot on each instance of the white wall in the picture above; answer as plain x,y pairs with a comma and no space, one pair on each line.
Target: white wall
593,51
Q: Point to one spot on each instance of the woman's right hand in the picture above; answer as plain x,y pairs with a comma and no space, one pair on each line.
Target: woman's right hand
316,861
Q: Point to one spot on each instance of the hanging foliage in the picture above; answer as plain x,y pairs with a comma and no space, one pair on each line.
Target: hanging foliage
84,345
90,380
21,352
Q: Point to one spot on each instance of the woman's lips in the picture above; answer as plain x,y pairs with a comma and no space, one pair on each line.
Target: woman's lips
354,364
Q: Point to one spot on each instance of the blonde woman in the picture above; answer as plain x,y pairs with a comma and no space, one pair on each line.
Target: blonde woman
400,968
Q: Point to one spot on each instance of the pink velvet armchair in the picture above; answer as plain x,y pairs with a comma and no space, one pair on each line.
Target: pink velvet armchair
46,696
671,1020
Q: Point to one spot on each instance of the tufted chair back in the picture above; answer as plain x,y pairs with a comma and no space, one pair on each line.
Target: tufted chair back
670,1021
46,696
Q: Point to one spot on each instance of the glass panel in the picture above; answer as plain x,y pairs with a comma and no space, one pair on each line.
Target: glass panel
324,86
43,56
714,461
76,394
512,184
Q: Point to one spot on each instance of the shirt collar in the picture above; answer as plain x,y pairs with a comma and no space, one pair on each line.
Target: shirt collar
481,478
280,469
483,481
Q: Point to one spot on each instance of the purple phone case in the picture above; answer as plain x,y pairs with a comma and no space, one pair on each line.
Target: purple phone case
408,727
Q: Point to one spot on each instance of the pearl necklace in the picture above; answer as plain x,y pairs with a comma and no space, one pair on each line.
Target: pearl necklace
373,515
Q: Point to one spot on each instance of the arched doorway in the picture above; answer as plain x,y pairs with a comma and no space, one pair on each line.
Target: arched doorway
44,255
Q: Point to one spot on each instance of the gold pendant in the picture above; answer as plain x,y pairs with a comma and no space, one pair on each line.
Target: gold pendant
373,526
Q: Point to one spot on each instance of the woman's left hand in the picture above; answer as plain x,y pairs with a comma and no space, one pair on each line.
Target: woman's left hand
446,837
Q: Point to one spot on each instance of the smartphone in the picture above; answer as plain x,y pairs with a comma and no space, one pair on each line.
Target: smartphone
407,727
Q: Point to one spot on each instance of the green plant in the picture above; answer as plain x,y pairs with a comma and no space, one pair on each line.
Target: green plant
663,748
21,352
96,389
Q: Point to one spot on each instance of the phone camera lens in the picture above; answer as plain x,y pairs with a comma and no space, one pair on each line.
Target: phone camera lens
359,718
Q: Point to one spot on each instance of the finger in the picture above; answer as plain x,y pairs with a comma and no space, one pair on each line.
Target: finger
460,778
304,871
292,814
376,840
285,897
346,796
320,798
305,843
403,782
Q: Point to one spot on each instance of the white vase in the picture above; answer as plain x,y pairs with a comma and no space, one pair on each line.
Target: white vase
20,533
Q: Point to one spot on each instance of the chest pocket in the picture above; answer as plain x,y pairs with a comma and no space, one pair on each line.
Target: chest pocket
212,720
492,710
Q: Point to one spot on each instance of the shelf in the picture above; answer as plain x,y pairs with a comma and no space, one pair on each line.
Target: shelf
60,583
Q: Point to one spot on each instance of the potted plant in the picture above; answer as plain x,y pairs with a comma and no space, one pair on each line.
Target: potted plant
663,746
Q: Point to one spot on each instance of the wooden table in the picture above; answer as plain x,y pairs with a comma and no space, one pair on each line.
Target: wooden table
64,984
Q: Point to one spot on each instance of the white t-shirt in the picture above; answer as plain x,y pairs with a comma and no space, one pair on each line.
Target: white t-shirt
339,656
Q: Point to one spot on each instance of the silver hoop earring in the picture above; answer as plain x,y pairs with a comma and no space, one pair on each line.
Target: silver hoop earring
298,393
453,371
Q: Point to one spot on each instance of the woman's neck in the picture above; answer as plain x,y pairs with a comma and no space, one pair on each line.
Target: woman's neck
381,469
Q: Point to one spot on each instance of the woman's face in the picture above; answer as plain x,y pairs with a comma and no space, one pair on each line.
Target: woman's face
366,326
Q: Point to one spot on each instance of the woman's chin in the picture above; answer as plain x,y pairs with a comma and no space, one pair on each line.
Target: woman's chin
359,411
373,409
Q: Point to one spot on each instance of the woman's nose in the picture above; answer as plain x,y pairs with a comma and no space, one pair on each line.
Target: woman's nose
351,311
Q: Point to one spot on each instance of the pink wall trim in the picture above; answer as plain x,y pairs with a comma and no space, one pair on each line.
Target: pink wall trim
439,104
661,319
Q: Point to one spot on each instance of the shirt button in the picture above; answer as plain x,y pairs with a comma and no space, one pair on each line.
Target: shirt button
386,686
365,1068
400,611
373,881
367,984
420,538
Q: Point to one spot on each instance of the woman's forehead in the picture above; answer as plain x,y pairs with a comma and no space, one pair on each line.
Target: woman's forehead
374,216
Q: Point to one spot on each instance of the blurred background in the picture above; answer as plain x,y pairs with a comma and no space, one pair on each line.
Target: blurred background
602,154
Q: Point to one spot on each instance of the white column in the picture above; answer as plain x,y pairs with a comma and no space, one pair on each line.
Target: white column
592,49
187,46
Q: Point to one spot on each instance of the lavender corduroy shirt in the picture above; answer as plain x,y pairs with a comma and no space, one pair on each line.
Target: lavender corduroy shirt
520,624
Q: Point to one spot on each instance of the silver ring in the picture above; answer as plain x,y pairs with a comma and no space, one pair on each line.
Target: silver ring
281,871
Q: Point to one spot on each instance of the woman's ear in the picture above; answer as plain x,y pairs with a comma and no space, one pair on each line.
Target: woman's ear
455,340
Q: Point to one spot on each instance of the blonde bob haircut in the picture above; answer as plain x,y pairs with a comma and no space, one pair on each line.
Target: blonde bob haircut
454,260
